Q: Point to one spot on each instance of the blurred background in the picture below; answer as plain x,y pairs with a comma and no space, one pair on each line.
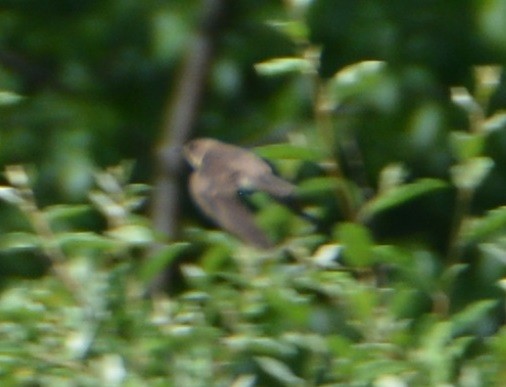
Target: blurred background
99,80
368,85
97,77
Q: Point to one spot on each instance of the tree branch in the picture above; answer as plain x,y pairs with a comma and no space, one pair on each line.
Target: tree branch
182,113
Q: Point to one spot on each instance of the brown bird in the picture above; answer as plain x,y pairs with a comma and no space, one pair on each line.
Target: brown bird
221,173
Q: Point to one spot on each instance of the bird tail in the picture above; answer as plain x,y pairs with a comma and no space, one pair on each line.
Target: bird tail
275,186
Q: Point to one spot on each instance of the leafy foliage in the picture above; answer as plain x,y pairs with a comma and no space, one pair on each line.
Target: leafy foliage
390,274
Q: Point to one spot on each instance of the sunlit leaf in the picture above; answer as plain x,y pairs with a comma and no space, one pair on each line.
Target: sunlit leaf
366,82
391,176
359,72
279,370
486,226
469,174
327,255
434,351
133,234
11,195
437,337
19,241
462,98
487,78
495,122
280,66
106,205
9,98
196,296
244,381
17,176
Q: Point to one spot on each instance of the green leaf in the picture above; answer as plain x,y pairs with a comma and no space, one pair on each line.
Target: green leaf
64,212
291,306
317,185
366,82
288,151
485,227
85,240
400,195
486,79
163,257
326,255
460,345
469,174
462,98
495,122
467,145
391,176
438,336
215,258
393,255
9,98
361,73
280,66
357,244
279,370
263,344
471,316
169,35
296,30
11,195
450,275
434,352
133,234
381,369
244,381
19,241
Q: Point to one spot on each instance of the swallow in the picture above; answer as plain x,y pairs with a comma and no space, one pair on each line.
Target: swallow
221,172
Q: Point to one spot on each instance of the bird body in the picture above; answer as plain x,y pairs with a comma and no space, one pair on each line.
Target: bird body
221,172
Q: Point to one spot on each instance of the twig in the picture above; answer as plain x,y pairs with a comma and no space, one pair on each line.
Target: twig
52,251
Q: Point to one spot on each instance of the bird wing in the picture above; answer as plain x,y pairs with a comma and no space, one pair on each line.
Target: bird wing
273,185
218,199
249,171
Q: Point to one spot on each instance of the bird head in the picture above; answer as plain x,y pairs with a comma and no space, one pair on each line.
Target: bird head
195,150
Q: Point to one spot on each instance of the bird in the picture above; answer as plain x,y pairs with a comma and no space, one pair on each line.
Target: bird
221,173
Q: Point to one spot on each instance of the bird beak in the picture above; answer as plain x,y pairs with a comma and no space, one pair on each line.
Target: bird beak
185,150
192,157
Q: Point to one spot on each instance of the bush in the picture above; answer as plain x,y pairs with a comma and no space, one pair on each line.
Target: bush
395,278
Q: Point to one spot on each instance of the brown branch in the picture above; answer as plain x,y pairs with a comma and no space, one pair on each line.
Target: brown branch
182,113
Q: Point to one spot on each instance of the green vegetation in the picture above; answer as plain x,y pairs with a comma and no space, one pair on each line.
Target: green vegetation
390,117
